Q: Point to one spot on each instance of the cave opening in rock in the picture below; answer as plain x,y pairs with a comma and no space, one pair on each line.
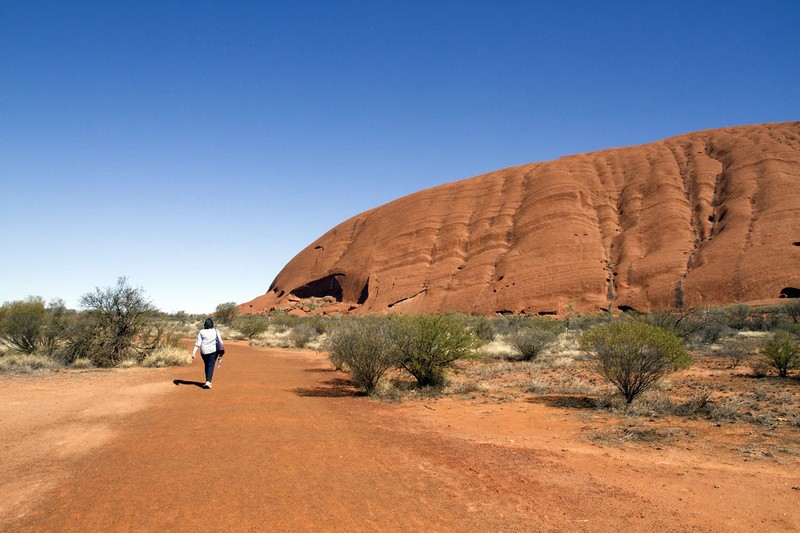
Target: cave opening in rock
362,298
320,288
790,292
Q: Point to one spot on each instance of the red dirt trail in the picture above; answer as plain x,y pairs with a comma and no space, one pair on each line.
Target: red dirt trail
282,444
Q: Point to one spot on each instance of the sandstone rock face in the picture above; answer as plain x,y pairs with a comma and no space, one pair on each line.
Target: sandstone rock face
703,219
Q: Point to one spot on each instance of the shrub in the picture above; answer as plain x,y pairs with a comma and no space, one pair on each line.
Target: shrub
737,350
365,348
302,334
782,352
22,323
56,327
738,316
251,325
483,328
530,342
226,312
585,322
712,327
792,310
705,327
633,355
430,344
791,327
116,326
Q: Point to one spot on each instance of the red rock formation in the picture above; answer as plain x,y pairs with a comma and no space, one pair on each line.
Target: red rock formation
703,219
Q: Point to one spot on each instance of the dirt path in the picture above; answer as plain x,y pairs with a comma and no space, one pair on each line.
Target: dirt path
281,444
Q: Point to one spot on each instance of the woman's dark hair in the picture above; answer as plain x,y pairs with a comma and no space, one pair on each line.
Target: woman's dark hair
208,324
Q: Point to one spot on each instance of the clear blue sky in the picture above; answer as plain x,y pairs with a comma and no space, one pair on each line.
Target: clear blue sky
195,147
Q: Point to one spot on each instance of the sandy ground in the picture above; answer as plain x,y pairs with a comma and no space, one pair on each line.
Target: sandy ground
282,444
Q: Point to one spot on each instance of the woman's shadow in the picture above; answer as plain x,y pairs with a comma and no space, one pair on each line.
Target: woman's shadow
184,382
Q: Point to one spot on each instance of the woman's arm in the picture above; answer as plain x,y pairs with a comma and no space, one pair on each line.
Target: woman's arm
197,344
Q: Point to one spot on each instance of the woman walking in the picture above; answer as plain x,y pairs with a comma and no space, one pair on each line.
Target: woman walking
210,344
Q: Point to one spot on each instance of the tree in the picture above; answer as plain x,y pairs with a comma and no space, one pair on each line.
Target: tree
782,352
22,323
430,344
366,348
117,319
633,355
226,313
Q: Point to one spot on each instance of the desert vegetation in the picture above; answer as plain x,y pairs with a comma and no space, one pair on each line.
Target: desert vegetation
738,363
116,326
725,365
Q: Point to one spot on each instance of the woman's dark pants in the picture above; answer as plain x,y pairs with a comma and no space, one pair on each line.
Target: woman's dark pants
210,360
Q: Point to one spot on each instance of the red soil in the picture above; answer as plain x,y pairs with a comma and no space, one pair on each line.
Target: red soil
282,444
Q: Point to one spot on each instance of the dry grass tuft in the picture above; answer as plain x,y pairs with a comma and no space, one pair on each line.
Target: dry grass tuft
168,356
26,363
497,349
82,363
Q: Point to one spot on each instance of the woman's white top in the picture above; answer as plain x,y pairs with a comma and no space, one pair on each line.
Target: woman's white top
207,341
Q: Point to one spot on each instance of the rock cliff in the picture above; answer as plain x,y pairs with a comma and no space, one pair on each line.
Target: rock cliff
703,219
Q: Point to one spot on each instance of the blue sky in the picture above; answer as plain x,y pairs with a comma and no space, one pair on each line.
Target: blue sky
195,147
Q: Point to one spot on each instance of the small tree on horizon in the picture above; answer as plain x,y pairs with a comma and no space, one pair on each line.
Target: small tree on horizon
116,324
226,313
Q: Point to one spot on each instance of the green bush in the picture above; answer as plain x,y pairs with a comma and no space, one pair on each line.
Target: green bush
738,316
698,326
430,344
22,323
782,352
366,348
633,355
250,325
585,322
302,334
712,327
483,328
792,311
737,350
531,342
226,313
